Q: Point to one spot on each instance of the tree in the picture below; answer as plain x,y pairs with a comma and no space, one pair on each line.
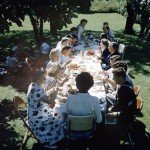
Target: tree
11,12
145,17
132,10
59,13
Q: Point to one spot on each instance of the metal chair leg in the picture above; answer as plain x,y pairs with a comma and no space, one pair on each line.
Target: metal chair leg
26,138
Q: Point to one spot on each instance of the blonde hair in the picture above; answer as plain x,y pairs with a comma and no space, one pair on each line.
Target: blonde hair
54,51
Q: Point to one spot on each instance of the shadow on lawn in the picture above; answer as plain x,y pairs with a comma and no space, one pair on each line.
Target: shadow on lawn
9,138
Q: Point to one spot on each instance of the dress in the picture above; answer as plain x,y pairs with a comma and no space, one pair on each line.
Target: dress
44,123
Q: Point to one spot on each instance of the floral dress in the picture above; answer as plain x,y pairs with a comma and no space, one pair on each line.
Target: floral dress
45,124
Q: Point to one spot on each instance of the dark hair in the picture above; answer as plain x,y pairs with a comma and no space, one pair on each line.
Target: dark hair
84,81
83,20
74,36
105,42
69,36
115,58
122,64
119,72
105,23
11,54
73,29
36,75
115,45
66,48
103,36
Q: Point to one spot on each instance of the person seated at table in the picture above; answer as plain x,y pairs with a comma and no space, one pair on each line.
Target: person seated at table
54,77
123,64
108,73
44,123
113,49
73,39
11,61
83,103
108,33
80,28
74,30
104,50
125,107
45,50
64,41
65,54
54,58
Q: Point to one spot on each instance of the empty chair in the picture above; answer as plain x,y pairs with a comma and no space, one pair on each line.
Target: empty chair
20,105
136,90
121,50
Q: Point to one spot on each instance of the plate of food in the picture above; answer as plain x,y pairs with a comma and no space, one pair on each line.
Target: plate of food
73,66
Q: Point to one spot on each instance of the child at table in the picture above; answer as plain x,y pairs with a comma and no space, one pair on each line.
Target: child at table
125,107
11,61
54,58
65,54
54,77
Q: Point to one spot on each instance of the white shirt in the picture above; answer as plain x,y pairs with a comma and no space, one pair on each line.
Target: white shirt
45,48
11,62
84,104
59,46
80,30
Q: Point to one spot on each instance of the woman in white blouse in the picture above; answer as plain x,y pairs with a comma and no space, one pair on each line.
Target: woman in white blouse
83,103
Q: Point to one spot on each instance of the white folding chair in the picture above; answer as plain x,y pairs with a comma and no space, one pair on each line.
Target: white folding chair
121,50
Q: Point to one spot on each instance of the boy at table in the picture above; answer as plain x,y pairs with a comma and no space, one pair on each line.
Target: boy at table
125,107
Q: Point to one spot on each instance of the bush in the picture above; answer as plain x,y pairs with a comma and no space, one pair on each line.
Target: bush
109,6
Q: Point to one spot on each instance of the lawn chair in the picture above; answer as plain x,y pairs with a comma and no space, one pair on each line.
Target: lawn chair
121,50
136,90
19,106
126,134
80,124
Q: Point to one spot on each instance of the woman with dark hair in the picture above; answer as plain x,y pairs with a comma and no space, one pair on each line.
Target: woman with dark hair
83,103
44,123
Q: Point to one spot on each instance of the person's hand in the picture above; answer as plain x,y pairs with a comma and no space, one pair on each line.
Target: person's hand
68,62
105,79
110,108
113,114
52,105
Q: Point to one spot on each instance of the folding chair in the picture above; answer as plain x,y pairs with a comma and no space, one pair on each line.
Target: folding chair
121,50
20,105
80,124
136,90
126,134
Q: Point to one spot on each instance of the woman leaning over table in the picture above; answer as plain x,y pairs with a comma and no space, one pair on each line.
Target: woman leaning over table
44,123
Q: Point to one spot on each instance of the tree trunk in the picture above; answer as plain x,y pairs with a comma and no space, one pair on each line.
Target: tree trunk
35,28
130,20
53,27
41,28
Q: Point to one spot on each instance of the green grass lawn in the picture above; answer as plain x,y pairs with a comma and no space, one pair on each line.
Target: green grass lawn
137,55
